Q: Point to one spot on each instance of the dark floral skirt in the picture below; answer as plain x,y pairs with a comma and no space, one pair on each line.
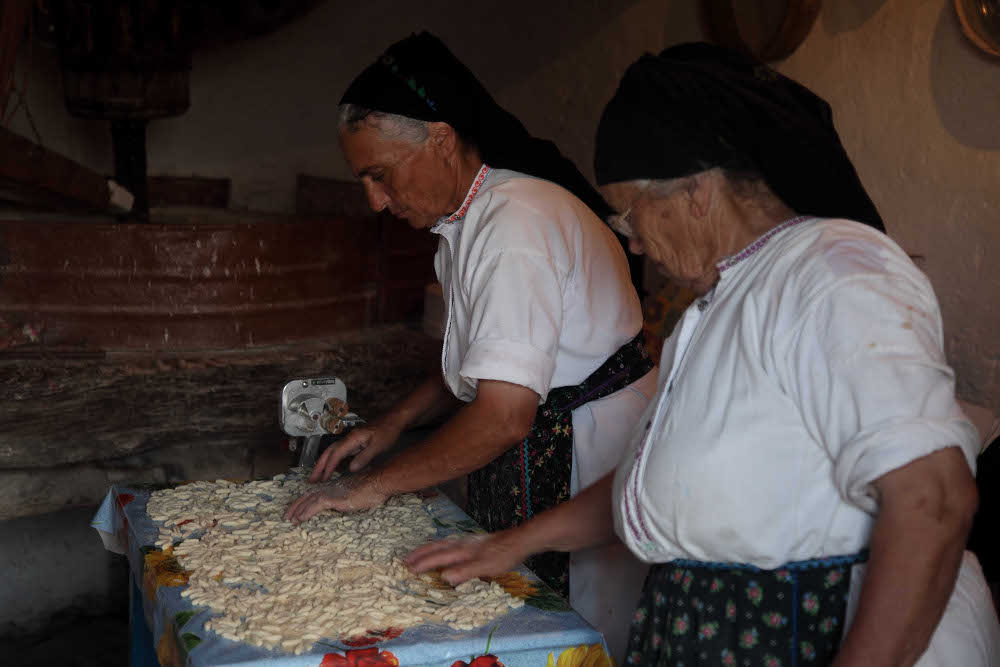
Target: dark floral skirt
695,613
535,475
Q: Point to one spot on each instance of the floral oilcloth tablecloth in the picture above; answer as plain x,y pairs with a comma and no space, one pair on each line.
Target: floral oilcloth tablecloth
544,632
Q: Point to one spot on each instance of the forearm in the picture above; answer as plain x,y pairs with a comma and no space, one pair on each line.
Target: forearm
473,437
916,550
582,522
429,401
586,520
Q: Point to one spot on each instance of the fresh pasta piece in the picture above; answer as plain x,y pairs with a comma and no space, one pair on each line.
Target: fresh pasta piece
273,584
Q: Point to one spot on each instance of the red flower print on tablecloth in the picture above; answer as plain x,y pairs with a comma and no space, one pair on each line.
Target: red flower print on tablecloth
373,637
362,657
123,499
481,661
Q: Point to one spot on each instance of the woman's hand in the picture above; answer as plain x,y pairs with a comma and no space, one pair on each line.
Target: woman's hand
472,556
363,443
349,493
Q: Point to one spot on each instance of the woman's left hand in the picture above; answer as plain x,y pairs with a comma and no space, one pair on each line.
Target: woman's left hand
350,493
469,557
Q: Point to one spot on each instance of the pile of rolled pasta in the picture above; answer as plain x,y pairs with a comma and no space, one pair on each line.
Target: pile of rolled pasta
281,586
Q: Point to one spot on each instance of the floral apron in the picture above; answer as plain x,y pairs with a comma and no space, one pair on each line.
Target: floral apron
535,475
693,613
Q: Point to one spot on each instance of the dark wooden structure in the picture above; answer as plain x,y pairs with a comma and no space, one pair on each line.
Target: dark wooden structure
404,258
34,177
183,287
157,351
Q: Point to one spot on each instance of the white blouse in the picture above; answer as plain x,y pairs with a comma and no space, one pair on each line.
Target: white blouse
536,287
813,368
538,294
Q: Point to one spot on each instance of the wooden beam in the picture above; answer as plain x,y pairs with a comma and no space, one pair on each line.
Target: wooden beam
38,177
315,195
68,412
189,191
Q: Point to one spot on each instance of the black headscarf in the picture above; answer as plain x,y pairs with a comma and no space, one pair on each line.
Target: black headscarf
698,106
420,78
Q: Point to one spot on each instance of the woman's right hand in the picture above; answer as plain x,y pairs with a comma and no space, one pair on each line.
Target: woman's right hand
481,555
363,443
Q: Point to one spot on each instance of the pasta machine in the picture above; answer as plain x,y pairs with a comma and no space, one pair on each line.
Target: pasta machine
311,408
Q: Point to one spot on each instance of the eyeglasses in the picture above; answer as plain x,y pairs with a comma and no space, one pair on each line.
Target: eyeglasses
622,223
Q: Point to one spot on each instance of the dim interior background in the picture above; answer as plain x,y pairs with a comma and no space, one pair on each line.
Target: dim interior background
915,103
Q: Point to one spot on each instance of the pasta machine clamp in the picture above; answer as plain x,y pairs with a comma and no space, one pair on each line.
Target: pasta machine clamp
311,408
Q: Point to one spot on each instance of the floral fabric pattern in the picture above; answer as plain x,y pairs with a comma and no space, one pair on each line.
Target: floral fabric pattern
535,475
362,657
717,614
592,655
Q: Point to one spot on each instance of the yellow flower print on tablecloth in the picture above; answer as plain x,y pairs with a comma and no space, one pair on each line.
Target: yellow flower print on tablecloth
515,584
160,568
582,656
534,593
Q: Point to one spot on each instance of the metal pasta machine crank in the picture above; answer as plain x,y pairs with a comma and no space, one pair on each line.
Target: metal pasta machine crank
311,408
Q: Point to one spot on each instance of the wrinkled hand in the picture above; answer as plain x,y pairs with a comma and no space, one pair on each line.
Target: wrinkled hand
469,557
363,443
349,493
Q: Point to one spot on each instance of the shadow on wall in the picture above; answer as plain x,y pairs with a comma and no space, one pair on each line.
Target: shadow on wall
501,42
268,103
964,83
847,15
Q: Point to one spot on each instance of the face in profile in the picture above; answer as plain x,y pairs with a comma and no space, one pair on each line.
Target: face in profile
409,179
660,223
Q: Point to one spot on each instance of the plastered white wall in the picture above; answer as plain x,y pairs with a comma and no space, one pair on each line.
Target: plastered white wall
917,107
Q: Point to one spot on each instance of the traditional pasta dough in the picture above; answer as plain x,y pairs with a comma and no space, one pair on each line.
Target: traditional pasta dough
278,585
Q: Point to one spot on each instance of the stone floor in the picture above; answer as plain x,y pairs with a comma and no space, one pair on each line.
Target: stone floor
73,638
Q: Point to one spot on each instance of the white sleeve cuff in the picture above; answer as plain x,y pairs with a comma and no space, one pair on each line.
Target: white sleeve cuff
509,361
888,447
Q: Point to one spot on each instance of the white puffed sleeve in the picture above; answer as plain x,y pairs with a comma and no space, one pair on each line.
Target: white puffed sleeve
515,293
867,370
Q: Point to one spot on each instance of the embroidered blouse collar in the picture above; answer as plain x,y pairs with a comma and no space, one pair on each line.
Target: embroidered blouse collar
733,260
484,171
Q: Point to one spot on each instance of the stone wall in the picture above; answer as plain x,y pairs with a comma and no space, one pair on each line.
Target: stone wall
915,102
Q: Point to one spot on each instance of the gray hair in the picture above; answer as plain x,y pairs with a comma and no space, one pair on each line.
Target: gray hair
393,126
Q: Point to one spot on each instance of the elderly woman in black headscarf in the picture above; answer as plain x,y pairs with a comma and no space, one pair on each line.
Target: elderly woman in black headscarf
543,346
804,468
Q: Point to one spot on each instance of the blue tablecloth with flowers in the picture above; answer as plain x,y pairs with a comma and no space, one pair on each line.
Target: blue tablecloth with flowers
545,631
